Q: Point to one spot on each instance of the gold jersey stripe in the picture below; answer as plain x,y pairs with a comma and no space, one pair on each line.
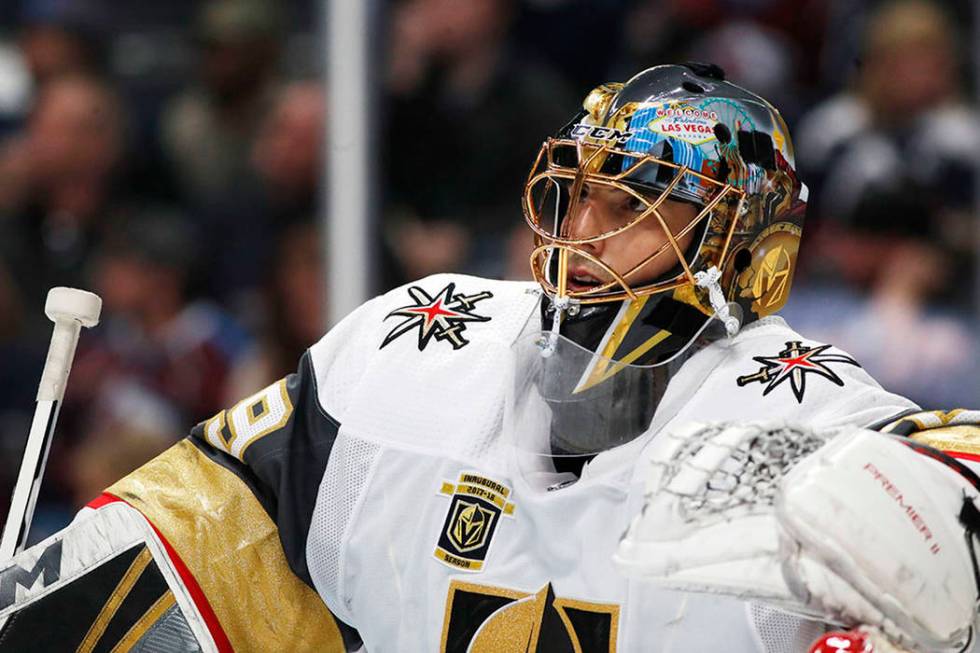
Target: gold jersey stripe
232,548
952,439
108,611
144,623
954,431
931,419
513,628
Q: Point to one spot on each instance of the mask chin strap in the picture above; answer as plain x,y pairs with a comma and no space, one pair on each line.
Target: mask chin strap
559,305
709,279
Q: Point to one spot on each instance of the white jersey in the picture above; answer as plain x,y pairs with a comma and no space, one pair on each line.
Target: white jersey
426,537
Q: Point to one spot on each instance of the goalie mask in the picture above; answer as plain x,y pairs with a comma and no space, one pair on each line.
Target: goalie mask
701,170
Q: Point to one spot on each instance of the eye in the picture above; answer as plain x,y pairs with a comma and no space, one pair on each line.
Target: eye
636,205
584,192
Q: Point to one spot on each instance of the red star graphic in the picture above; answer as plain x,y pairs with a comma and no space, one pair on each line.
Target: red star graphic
796,361
433,312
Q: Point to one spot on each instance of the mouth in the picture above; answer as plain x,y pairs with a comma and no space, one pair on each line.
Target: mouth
579,280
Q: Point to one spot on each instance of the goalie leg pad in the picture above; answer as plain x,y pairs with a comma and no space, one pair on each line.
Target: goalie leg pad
104,582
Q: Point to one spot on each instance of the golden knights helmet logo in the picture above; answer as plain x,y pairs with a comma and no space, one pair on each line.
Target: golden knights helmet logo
764,284
469,526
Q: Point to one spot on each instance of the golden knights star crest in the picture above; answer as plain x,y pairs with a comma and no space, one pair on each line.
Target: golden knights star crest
477,504
442,316
793,364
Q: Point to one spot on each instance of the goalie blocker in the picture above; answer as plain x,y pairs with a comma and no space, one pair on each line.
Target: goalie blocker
112,583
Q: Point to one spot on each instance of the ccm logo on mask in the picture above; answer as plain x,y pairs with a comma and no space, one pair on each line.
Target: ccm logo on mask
599,133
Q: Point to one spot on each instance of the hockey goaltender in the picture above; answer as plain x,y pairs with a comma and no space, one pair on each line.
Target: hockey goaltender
634,453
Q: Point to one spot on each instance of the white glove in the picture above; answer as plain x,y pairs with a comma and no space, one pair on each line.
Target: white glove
848,526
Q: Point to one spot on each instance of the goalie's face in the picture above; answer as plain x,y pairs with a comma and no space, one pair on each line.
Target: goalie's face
612,225
601,209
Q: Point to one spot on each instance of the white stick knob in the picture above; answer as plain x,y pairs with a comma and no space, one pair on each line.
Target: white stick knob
73,304
70,309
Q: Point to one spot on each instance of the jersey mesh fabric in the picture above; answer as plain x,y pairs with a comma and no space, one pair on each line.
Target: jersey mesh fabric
348,470
490,447
781,632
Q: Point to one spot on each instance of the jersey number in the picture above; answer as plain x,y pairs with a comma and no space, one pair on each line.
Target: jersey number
254,417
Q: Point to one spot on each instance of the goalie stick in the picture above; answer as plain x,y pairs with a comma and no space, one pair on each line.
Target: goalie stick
70,309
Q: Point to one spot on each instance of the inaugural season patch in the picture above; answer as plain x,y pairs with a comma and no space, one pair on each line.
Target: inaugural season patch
793,364
477,504
442,316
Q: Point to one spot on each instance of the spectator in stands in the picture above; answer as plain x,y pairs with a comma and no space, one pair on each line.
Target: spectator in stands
209,129
893,161
62,189
279,188
294,311
756,41
154,335
61,37
287,154
56,177
464,118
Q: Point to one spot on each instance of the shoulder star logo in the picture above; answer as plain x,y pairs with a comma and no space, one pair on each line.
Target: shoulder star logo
793,364
442,316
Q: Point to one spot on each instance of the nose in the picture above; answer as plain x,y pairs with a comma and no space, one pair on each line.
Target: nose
584,221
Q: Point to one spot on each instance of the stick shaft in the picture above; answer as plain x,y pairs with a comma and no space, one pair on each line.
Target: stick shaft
32,466
61,351
50,391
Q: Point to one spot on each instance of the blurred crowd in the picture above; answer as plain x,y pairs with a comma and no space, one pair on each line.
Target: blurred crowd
168,156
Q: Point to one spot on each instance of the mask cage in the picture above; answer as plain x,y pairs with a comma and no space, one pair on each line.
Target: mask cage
552,192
